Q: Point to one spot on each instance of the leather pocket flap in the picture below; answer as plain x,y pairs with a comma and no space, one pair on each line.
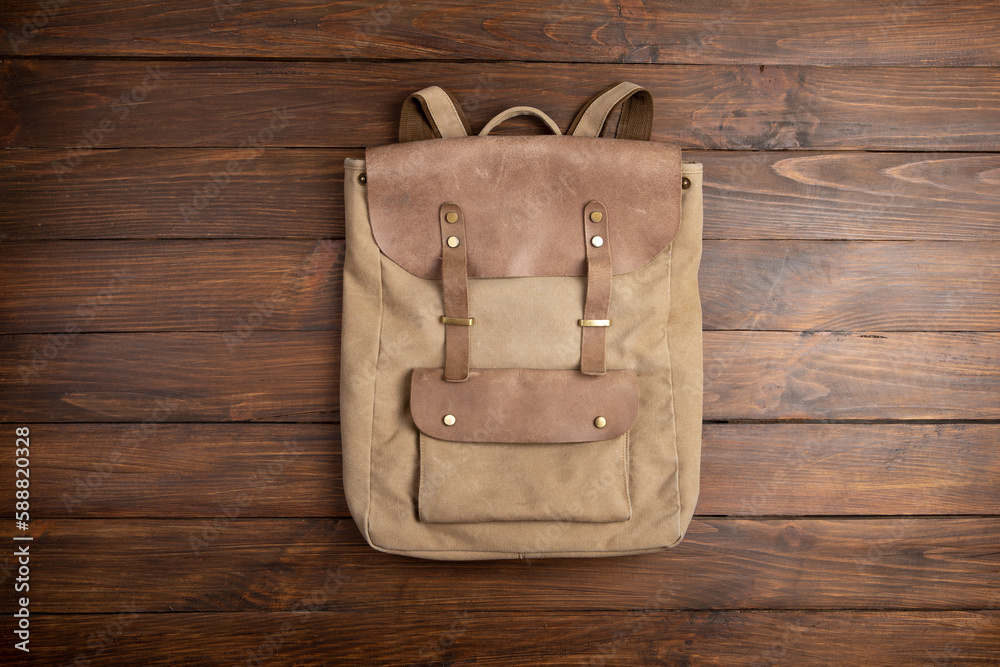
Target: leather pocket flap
508,405
522,200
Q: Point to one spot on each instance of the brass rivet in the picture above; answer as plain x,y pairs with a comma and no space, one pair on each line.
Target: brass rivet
451,217
597,241
600,422
453,241
596,216
449,420
685,183
363,178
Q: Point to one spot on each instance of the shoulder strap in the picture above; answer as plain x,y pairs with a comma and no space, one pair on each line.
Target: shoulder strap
429,113
635,122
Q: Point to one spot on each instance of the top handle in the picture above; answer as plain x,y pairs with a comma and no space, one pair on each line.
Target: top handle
433,112
520,111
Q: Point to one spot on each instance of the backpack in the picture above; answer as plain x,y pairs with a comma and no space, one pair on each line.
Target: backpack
521,369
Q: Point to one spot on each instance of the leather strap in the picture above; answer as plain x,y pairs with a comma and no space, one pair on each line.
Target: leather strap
455,285
431,113
635,122
595,310
520,111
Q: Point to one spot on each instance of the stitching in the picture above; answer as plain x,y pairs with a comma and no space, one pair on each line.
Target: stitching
378,354
628,496
420,483
673,403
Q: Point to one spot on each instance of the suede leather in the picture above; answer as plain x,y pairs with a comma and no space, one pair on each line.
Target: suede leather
415,494
519,405
521,197
455,290
593,340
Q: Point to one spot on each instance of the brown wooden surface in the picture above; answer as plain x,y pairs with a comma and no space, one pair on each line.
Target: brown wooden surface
220,285
293,376
818,196
635,637
280,470
151,307
52,103
850,32
226,563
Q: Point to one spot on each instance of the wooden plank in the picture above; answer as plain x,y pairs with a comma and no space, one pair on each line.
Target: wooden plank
844,469
270,564
852,32
233,286
86,103
639,637
773,375
279,376
240,375
184,470
850,286
873,196
223,285
272,470
171,193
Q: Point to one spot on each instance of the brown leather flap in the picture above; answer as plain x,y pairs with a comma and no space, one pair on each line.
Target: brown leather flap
524,405
523,199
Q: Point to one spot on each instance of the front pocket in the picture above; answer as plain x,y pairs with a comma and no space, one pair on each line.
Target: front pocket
463,482
524,445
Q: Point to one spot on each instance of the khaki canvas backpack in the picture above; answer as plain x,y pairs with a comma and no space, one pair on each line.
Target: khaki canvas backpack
521,353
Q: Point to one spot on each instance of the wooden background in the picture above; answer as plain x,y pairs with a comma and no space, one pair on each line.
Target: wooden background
171,334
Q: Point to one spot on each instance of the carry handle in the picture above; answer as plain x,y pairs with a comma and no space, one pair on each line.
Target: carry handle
635,121
520,111
431,113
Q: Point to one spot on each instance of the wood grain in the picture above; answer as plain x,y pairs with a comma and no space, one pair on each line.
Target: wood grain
109,104
174,193
852,32
772,375
224,285
164,193
293,376
153,378
268,565
402,637
294,470
232,286
850,286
